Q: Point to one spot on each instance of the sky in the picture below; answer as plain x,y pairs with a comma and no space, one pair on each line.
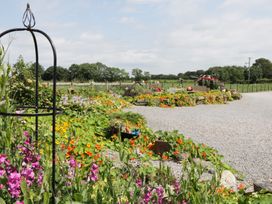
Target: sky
159,36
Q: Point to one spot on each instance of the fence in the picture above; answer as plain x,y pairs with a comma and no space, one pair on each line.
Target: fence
106,86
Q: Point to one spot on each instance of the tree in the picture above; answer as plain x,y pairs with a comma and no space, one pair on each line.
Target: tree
40,70
147,76
62,74
265,65
138,74
22,69
114,74
256,73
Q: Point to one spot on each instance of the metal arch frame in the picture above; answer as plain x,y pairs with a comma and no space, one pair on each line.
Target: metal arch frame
54,109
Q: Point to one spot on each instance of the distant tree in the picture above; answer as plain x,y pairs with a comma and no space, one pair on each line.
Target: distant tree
22,69
40,70
165,76
147,76
266,67
231,74
256,73
115,74
138,74
62,74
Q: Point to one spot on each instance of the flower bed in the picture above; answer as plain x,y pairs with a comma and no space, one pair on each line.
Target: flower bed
185,99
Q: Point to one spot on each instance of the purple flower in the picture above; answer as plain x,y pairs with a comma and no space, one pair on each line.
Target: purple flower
3,158
147,195
40,178
72,162
14,182
94,173
29,175
139,183
36,165
160,191
2,172
26,134
176,186
95,168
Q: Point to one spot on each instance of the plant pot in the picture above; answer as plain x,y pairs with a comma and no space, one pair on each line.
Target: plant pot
140,103
125,135
161,147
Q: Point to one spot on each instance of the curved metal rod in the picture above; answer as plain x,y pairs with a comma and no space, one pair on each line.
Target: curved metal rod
54,112
12,30
37,84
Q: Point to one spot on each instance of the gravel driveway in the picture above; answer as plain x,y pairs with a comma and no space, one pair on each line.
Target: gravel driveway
240,130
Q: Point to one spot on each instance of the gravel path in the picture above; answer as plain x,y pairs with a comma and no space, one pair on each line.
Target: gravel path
240,130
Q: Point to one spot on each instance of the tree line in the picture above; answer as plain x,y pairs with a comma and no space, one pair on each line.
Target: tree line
260,71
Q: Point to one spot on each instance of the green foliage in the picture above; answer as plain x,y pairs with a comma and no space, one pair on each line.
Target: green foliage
96,72
137,74
62,74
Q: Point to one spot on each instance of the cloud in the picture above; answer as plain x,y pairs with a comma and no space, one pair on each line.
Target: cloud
144,1
160,36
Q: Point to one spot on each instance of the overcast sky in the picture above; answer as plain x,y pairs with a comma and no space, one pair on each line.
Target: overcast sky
159,36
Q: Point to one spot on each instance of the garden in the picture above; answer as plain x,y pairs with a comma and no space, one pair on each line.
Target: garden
105,154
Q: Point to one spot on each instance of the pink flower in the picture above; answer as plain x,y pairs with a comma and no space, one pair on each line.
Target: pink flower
72,162
19,202
2,186
160,191
176,186
147,195
14,182
29,175
94,173
40,178
2,172
26,134
139,183
3,158
36,165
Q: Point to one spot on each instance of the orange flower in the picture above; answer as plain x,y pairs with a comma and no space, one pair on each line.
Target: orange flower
132,142
176,152
241,186
125,176
165,157
69,148
68,154
98,147
145,138
89,153
88,145
132,158
72,142
150,153
204,155
150,145
62,146
96,157
180,141
220,189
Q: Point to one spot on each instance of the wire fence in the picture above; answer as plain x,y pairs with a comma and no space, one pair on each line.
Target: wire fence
106,86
